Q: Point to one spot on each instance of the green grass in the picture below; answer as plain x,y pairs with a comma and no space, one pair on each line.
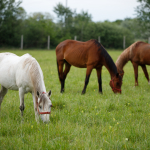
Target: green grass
91,121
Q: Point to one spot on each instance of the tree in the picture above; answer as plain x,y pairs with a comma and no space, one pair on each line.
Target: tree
80,23
37,27
11,16
143,15
65,15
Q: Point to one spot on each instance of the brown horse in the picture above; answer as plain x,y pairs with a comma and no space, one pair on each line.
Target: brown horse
90,55
139,55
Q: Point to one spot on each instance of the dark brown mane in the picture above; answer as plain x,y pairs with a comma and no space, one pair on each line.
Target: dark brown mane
107,57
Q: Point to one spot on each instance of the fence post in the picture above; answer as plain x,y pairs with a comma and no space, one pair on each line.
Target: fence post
75,37
21,41
48,42
149,40
124,42
99,39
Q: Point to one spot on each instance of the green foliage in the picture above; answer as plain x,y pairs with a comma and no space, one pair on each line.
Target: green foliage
91,121
11,16
36,27
111,34
41,26
143,15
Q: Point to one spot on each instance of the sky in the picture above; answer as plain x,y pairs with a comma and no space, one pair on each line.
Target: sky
100,10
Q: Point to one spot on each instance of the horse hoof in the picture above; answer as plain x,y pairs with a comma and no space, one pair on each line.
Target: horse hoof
82,93
62,91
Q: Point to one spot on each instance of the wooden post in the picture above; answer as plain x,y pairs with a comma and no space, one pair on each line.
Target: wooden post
21,41
124,42
149,40
99,39
75,37
48,42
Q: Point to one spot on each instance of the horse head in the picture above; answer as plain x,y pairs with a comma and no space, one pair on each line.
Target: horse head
116,83
44,105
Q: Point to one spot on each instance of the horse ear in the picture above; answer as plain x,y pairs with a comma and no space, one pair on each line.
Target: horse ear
49,93
38,94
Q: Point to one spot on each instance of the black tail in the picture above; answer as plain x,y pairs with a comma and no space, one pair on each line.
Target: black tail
58,70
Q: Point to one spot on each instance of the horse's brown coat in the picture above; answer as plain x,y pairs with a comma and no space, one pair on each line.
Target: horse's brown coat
139,55
90,55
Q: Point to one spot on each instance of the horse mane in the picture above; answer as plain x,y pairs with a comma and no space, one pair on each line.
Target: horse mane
110,63
126,55
35,73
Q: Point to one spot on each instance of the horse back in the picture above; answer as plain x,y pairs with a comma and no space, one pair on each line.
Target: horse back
140,53
79,54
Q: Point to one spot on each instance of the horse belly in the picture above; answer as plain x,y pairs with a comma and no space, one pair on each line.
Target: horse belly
76,60
76,63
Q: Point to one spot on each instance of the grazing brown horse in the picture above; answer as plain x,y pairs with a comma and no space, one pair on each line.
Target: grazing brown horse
90,55
139,55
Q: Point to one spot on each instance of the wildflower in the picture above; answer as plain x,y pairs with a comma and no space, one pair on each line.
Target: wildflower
110,127
31,126
126,139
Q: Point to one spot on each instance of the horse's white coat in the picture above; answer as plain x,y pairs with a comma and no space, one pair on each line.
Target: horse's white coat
23,74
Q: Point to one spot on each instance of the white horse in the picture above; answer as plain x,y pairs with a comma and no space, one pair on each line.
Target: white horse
24,74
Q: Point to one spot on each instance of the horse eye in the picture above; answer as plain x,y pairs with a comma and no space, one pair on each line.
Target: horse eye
51,105
40,106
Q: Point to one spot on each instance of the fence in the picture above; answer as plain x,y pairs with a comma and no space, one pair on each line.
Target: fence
75,38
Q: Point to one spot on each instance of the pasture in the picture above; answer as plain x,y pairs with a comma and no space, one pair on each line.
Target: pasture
91,121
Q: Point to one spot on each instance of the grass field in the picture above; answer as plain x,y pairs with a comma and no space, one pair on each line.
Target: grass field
91,121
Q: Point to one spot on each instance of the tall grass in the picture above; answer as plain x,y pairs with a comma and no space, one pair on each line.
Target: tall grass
90,121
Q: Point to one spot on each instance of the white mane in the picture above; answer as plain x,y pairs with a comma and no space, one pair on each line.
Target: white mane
34,69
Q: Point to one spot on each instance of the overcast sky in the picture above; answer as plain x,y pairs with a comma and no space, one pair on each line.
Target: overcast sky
100,10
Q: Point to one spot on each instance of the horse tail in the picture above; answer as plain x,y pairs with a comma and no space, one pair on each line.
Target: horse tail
58,69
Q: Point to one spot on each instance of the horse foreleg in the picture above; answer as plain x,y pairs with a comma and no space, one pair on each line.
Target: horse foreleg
2,94
99,79
21,95
88,73
135,73
35,108
145,72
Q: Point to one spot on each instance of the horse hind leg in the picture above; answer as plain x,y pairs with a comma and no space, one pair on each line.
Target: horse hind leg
63,74
146,73
3,92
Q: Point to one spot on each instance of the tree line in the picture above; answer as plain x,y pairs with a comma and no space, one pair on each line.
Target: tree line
35,27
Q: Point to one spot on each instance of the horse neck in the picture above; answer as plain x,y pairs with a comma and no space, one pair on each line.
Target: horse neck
110,65
37,79
40,86
123,59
